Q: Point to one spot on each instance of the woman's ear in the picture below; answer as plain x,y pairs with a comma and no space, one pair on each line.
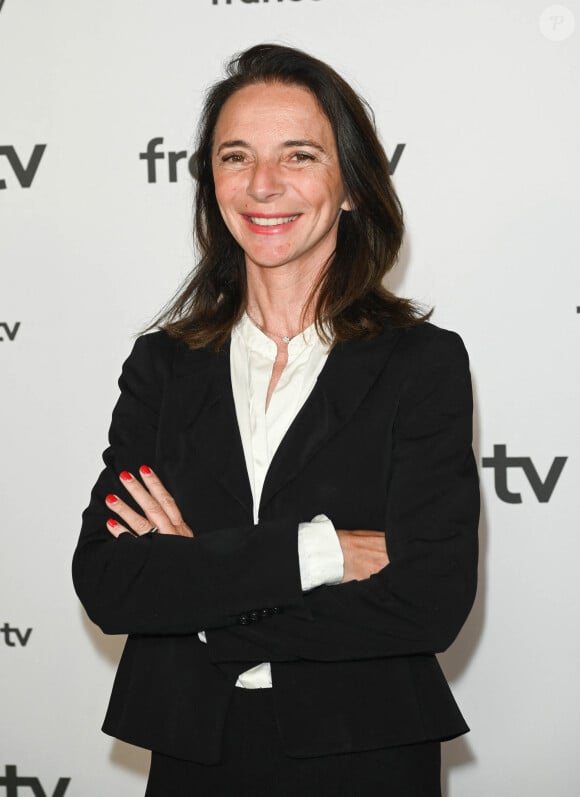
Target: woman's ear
346,205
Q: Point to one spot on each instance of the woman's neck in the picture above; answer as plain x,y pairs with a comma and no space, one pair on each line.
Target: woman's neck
277,301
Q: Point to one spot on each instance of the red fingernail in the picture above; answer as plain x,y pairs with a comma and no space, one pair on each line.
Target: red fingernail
111,499
112,523
145,470
125,475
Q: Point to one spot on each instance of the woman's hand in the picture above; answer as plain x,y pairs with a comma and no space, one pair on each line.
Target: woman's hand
364,551
160,510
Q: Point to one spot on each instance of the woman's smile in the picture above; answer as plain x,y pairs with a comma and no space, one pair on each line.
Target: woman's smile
264,224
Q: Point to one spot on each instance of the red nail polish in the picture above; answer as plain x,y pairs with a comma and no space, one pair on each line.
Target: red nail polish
125,475
112,523
111,499
145,470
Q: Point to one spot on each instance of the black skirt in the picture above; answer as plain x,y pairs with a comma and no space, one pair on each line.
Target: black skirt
255,765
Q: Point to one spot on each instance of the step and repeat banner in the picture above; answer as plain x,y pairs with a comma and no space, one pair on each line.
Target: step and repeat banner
478,106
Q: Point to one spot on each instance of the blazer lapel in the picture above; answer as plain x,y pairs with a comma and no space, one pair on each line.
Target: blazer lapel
348,375
208,420
204,407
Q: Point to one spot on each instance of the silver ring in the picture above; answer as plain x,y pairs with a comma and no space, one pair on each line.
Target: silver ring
154,530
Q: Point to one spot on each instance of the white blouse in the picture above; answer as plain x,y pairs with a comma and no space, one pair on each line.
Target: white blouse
252,356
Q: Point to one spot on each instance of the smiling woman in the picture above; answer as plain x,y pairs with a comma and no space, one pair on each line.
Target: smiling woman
350,294
290,472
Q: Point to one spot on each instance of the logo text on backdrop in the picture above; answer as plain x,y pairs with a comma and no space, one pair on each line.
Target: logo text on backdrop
23,171
13,782
8,330
501,463
14,637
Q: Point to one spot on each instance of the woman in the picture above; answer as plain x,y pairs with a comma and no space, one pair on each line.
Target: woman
290,415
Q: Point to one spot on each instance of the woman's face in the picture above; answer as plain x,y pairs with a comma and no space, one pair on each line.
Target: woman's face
277,176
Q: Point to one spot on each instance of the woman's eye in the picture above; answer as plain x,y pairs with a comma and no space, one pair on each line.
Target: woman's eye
234,157
303,156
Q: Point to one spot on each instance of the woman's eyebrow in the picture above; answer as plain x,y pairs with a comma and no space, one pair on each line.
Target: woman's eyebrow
299,142
304,142
235,143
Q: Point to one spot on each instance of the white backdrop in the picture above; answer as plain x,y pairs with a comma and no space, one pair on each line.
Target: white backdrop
485,98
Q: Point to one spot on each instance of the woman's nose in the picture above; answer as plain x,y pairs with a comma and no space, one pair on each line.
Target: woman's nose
265,181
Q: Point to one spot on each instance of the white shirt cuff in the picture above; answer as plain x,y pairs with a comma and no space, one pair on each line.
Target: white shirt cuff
319,553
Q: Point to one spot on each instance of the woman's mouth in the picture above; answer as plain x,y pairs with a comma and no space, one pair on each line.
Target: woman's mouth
263,221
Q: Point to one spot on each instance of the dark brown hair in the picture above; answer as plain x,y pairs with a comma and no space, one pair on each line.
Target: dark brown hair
349,295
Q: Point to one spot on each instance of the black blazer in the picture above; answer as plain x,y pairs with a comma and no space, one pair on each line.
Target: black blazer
382,442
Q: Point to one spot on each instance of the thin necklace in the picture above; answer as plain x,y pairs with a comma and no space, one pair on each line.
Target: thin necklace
284,338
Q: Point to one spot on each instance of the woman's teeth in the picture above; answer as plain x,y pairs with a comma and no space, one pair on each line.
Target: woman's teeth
272,222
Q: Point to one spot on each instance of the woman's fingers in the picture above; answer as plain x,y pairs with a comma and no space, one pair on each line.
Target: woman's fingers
117,529
160,494
133,520
158,507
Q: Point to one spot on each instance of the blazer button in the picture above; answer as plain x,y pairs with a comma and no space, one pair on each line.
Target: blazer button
254,616
243,619
265,612
275,610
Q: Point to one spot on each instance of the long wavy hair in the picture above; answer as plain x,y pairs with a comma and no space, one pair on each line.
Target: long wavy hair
350,299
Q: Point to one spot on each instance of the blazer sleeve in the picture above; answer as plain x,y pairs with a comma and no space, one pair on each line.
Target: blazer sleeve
162,584
418,603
